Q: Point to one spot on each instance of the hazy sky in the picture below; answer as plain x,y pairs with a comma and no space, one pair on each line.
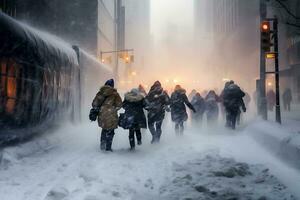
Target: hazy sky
178,12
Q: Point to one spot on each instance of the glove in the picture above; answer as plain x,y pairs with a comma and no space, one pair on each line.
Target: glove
244,109
94,114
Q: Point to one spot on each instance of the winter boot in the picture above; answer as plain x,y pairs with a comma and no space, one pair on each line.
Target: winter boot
132,148
139,142
102,146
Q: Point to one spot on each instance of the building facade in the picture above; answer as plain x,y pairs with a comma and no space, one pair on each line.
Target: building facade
232,25
137,35
89,24
289,41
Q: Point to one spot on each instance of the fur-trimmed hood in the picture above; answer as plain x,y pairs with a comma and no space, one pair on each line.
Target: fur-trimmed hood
133,97
180,90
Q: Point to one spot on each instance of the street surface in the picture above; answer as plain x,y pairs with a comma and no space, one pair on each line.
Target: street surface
69,165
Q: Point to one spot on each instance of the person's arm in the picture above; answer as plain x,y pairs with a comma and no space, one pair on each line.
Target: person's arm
98,100
118,102
186,101
167,98
243,105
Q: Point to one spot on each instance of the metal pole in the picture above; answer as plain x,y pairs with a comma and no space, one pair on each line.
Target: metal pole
262,101
278,113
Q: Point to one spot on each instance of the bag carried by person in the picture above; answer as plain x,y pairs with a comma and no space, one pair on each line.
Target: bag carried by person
123,121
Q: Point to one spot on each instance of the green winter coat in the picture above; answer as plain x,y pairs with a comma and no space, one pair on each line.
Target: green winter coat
109,102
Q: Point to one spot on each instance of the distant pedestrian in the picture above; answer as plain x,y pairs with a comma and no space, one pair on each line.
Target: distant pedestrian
287,99
134,103
198,103
192,94
233,102
211,107
108,102
271,100
178,102
157,102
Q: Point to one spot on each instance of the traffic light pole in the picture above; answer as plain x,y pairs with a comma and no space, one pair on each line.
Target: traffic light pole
275,28
262,100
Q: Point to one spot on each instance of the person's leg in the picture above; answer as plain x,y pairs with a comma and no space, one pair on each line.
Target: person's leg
138,136
158,129
228,122
233,119
289,106
284,105
238,117
176,128
103,139
181,128
131,138
152,131
109,139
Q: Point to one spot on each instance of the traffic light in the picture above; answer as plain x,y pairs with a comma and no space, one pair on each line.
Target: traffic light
266,36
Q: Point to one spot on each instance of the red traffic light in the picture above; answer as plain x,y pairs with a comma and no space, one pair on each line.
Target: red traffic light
265,26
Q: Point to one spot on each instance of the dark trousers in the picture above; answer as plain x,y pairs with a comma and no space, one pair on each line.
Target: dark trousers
155,129
106,139
231,118
179,128
137,133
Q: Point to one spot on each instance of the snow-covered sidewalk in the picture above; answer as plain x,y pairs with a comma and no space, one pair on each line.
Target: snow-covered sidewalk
69,165
282,140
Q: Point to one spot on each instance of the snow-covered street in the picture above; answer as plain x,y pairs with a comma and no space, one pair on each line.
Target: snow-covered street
69,165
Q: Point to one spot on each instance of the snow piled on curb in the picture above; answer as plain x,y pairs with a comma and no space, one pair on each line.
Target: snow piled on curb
283,141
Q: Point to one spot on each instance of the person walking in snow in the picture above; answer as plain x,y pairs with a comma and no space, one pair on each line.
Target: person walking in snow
178,102
287,99
134,104
198,103
211,107
233,101
221,98
192,94
157,102
108,102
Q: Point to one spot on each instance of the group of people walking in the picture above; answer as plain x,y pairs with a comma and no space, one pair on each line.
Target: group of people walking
286,98
156,103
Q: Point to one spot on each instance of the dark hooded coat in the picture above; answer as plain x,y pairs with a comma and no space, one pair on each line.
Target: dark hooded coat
199,104
211,105
134,103
233,98
109,102
157,101
177,104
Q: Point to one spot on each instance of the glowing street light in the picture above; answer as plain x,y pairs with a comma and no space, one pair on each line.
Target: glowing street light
133,73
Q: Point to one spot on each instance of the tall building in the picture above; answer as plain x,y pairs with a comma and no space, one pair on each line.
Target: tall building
235,38
89,24
137,32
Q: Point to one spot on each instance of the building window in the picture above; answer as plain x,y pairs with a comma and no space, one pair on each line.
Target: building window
8,86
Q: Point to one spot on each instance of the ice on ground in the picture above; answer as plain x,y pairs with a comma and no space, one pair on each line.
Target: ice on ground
210,176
